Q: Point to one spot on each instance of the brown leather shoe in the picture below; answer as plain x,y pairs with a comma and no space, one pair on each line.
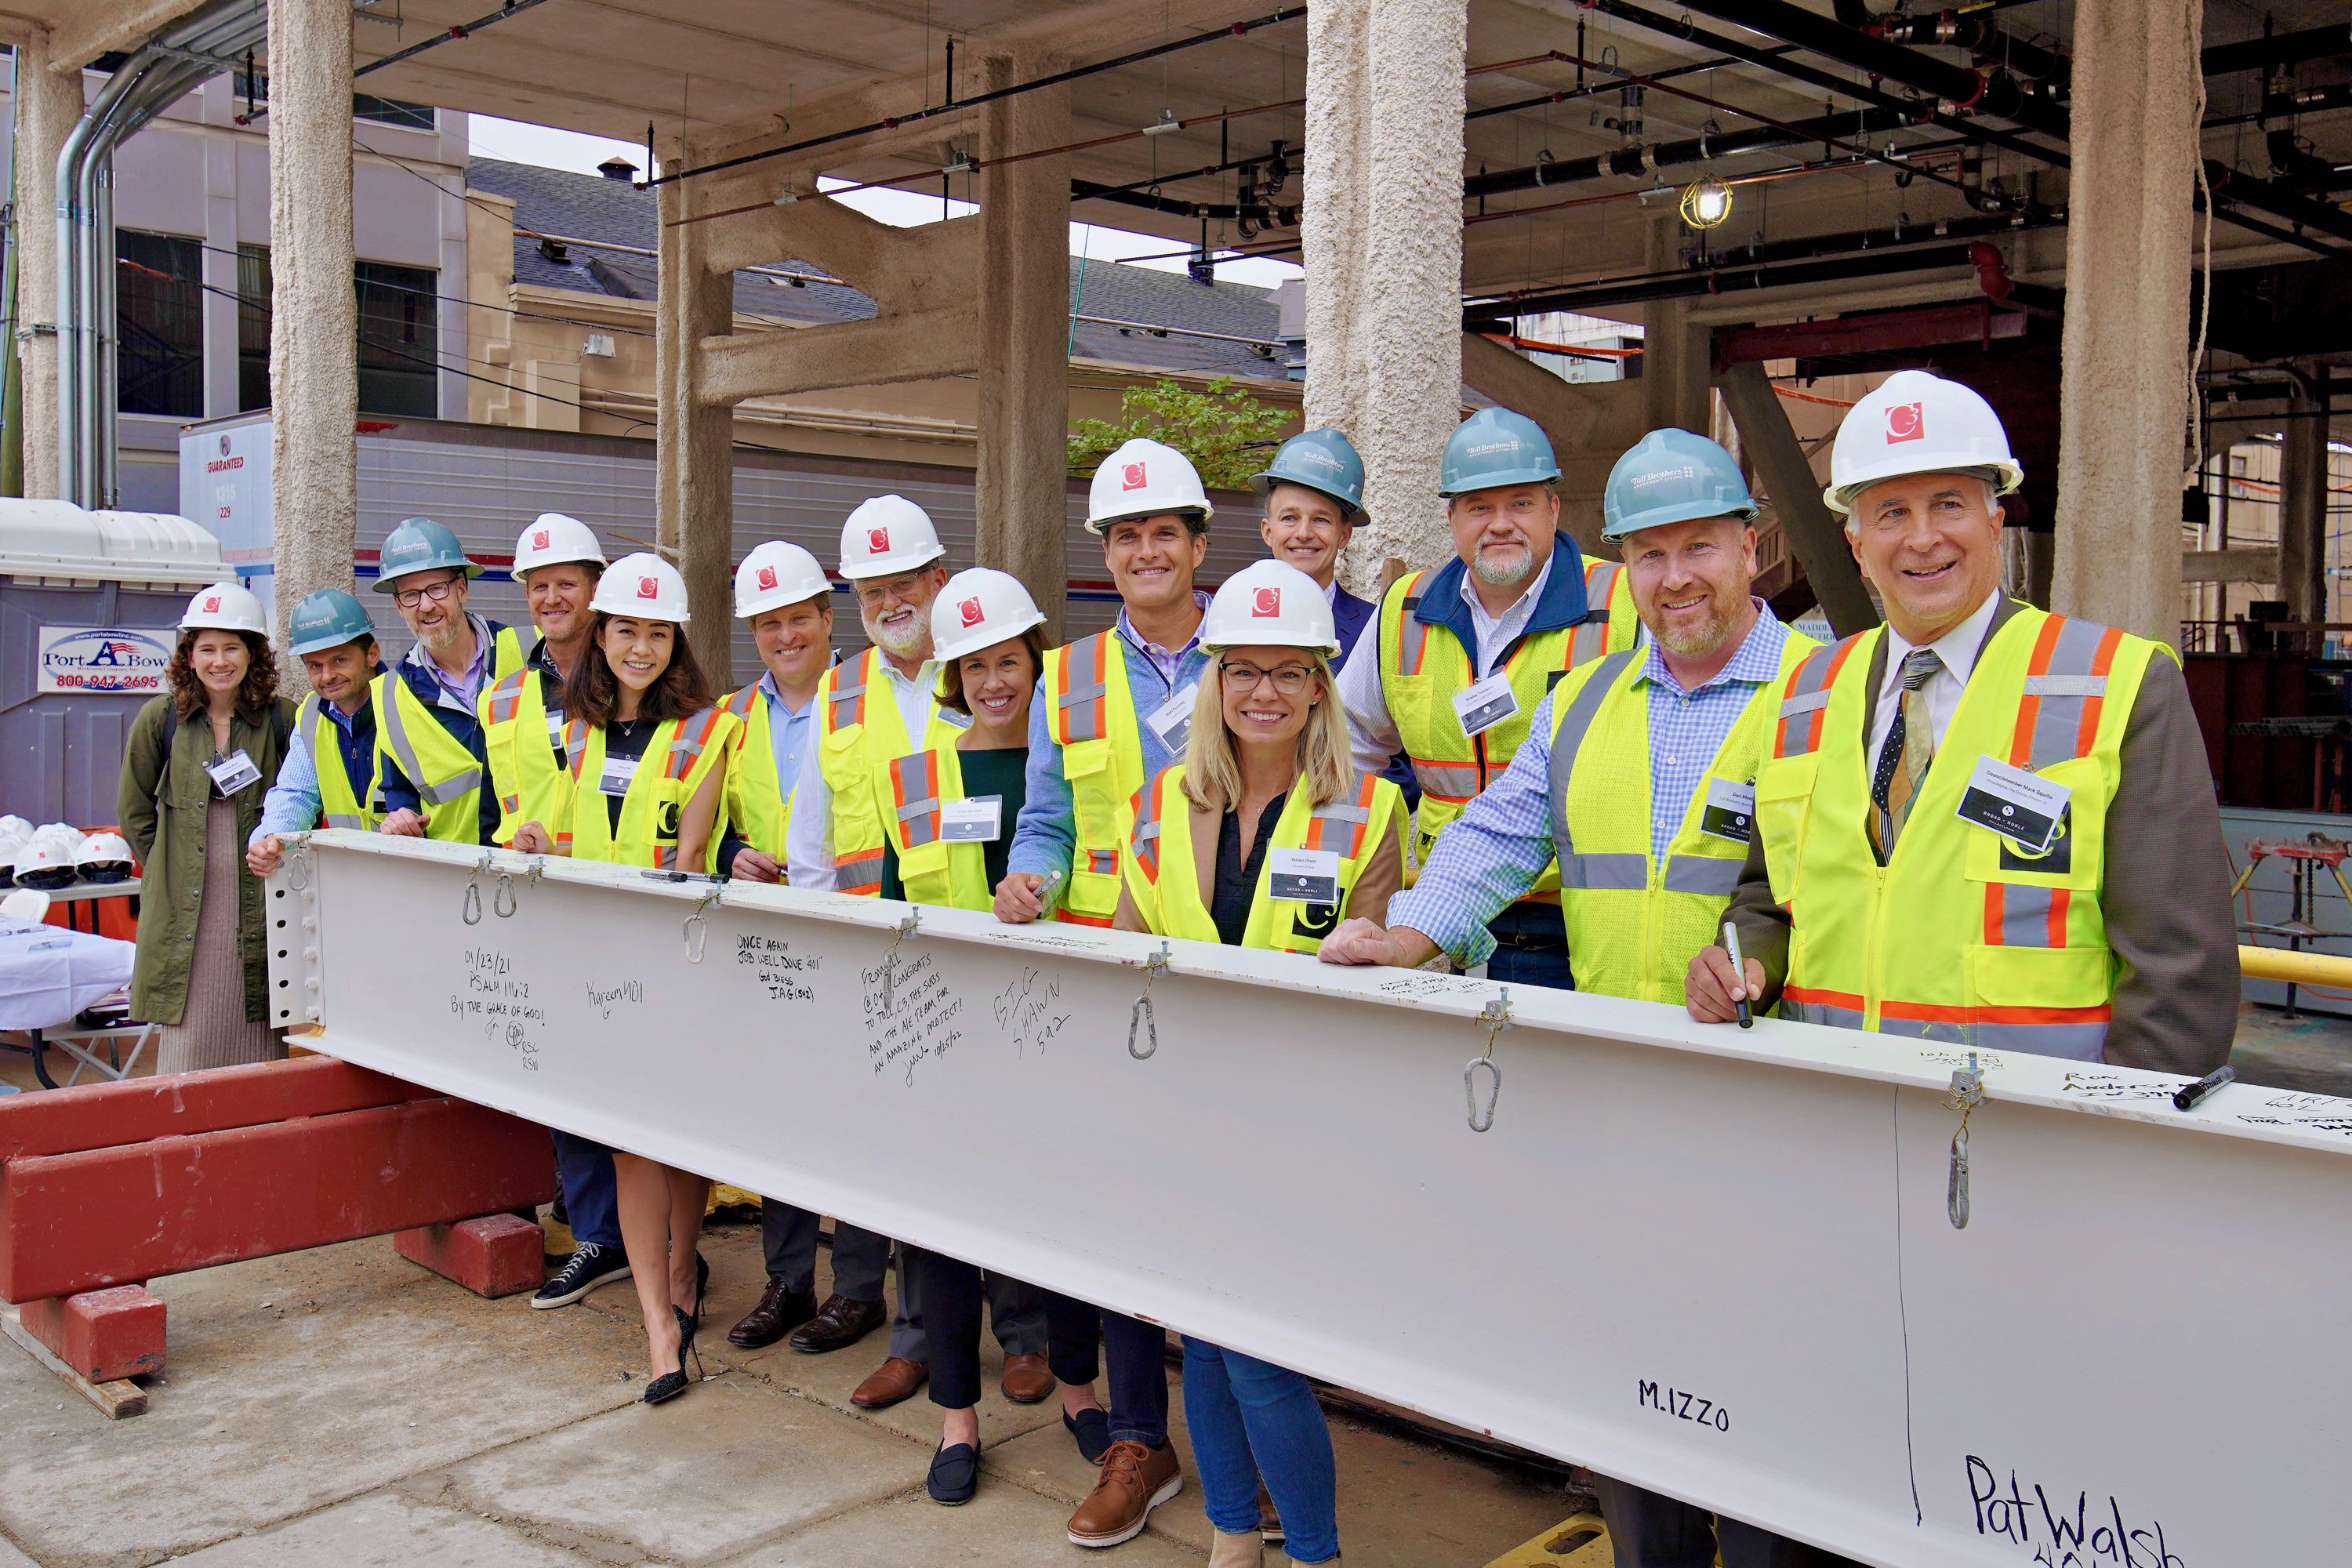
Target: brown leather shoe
838,1324
893,1381
1027,1380
780,1311
1136,1479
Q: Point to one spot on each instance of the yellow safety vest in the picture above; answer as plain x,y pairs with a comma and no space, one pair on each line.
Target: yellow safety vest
758,803
1353,826
340,804
858,730
1423,666
524,737
1962,936
1090,715
447,776
1633,925
915,789
686,750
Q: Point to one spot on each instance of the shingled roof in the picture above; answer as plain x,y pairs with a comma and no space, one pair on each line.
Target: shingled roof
592,207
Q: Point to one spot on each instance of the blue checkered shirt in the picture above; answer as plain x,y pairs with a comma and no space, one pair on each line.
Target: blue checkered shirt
1493,853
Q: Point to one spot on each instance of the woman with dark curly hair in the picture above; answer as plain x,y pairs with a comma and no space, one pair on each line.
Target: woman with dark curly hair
194,767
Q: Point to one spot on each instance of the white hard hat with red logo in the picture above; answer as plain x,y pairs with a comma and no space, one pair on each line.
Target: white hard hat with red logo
1272,604
643,586
980,609
553,540
774,575
1145,478
1914,423
888,535
226,607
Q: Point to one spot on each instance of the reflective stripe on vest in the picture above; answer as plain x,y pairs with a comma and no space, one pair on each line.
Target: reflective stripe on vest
861,729
340,803
688,754
1807,694
758,803
407,733
932,870
915,786
1090,715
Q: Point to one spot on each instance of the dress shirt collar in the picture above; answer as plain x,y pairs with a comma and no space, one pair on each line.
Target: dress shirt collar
1756,660
1956,649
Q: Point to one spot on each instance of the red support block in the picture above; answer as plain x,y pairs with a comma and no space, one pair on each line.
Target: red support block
103,1217
101,1334
105,1115
498,1255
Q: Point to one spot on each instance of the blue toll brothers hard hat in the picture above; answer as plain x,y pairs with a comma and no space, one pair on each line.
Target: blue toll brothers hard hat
328,619
419,544
1672,475
1494,447
1322,461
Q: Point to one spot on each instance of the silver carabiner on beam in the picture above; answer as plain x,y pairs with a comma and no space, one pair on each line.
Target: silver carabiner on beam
502,902
697,924
1141,1015
1497,1017
905,929
472,908
298,862
1967,1093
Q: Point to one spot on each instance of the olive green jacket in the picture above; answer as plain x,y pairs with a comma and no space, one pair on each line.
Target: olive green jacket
167,834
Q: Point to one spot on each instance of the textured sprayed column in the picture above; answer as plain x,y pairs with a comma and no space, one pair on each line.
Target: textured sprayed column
1019,487
1384,220
694,456
314,375
2123,394
48,105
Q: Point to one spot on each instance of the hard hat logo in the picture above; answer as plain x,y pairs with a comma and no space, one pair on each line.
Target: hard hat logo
878,541
212,605
539,540
1905,422
1130,478
648,588
767,577
970,611
1267,601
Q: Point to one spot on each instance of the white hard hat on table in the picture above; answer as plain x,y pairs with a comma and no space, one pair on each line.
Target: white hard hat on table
1145,478
888,535
1270,602
980,609
1914,423
553,540
644,586
774,575
225,608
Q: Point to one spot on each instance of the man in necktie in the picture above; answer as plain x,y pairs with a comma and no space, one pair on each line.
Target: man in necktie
1980,823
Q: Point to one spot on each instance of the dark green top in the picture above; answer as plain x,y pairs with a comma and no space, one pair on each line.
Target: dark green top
1003,771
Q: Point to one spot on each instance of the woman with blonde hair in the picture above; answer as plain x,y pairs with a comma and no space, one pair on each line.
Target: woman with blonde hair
1265,836
196,765
647,770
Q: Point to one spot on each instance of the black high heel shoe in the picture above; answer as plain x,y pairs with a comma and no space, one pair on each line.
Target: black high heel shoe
670,1384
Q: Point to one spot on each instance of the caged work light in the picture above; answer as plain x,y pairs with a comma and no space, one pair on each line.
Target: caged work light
1706,203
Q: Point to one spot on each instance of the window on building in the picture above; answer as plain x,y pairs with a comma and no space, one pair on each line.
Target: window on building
159,316
392,111
399,343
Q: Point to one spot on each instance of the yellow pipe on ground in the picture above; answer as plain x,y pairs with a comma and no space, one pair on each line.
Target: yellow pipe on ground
2297,968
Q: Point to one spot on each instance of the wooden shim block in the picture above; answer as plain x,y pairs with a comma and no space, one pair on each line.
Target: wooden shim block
115,1401
497,1255
105,1115
98,1218
104,1336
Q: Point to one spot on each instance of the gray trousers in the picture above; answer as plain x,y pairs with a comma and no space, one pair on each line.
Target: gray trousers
787,1236
1650,1530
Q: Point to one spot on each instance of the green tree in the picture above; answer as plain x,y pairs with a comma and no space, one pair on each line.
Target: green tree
1228,434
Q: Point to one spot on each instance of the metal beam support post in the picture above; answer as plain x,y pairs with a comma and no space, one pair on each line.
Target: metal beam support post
694,458
1815,536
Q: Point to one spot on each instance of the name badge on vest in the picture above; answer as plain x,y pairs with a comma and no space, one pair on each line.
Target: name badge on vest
2023,807
1486,703
618,772
1310,875
979,819
1172,719
233,773
1729,811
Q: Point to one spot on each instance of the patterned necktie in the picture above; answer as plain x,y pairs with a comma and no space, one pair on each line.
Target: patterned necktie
1902,761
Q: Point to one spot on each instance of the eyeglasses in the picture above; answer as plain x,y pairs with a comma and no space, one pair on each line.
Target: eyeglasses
1290,679
409,599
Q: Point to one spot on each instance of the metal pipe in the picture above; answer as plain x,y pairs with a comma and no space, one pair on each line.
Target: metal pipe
2294,968
1634,162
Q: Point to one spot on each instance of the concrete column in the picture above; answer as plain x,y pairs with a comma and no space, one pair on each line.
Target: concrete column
2303,508
2123,393
694,456
1383,259
1019,485
48,103
1676,358
314,373
218,262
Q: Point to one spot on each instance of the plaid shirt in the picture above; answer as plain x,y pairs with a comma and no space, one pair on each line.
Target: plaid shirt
1501,843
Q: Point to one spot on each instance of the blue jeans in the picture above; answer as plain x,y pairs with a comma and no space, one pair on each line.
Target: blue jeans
1251,1419
589,1203
1530,966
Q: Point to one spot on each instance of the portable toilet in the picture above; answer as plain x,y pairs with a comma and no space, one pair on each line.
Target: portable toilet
90,604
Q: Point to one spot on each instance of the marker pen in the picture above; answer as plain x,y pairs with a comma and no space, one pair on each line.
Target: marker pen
2197,1093
1740,971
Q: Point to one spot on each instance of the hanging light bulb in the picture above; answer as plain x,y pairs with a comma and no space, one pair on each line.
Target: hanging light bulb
1706,203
